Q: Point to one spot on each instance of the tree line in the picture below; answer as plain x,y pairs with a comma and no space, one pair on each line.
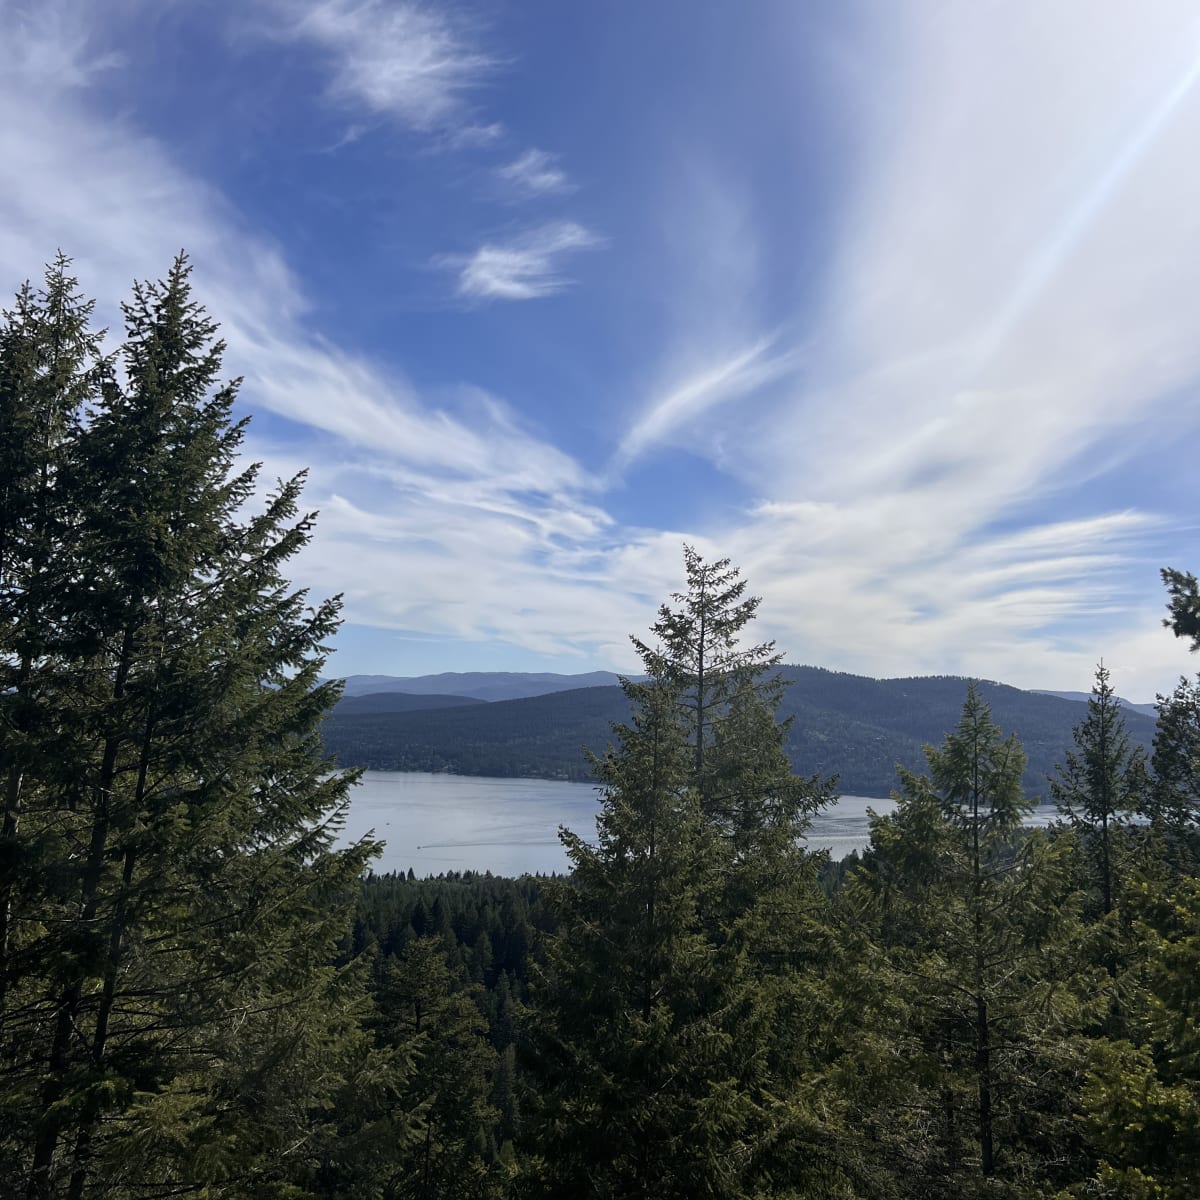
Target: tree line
203,994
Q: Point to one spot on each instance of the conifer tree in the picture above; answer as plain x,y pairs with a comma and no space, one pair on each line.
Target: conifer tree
1141,1100
49,366
437,1024
178,1029
1175,763
670,1032
728,695
1183,606
639,1093
1101,784
973,926
697,652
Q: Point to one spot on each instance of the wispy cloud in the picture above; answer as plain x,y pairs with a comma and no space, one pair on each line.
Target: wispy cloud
1006,300
414,63
534,173
1004,317
441,512
49,45
526,267
682,406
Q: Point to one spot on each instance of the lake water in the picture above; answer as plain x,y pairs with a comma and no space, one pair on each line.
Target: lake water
435,823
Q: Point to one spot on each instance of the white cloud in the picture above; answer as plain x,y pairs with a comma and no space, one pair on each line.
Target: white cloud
1007,313
682,407
412,62
442,513
1001,312
49,45
534,173
526,267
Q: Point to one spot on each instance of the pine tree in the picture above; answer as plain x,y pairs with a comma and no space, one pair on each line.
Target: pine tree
1102,783
973,925
173,1026
1175,763
49,367
437,1024
639,1092
728,695
1184,605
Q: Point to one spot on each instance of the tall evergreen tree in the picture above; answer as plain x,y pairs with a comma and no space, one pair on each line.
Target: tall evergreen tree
1101,785
1175,762
49,366
639,1091
674,998
973,933
179,1031
697,650
439,1026
728,694
1141,1101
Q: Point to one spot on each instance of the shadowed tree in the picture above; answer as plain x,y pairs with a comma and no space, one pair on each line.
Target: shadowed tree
172,1027
1101,785
973,932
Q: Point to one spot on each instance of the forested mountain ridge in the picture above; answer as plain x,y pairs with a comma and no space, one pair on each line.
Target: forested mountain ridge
849,725
385,702
1147,710
479,685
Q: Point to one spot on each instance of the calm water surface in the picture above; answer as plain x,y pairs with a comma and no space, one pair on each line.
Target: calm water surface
435,823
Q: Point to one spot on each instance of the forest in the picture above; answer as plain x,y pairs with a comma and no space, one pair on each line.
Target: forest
203,994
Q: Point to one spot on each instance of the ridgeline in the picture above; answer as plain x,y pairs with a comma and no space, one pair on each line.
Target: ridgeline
849,725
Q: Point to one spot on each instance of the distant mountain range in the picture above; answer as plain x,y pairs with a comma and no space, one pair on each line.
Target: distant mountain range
386,702
479,685
1147,710
849,725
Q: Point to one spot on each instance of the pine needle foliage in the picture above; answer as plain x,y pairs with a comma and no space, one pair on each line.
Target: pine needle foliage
169,883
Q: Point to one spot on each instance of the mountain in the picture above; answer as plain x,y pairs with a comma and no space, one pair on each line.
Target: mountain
1147,710
849,725
387,702
480,685
540,736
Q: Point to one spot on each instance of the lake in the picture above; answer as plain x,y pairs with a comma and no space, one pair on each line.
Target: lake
435,823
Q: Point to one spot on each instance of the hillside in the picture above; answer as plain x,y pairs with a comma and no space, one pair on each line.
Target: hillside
540,736
479,685
1147,710
390,702
849,725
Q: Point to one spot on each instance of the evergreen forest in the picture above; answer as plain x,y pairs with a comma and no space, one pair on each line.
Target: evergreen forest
205,993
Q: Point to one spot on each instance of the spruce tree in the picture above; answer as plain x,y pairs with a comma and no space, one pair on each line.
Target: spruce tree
698,651
974,927
436,1023
728,694
680,989
175,1027
1141,1099
1101,785
49,366
1183,606
638,1090
1174,799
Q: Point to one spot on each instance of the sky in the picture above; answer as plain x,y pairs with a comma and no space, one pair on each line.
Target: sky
893,302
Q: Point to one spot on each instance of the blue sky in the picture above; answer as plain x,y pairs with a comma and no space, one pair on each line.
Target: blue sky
893,303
